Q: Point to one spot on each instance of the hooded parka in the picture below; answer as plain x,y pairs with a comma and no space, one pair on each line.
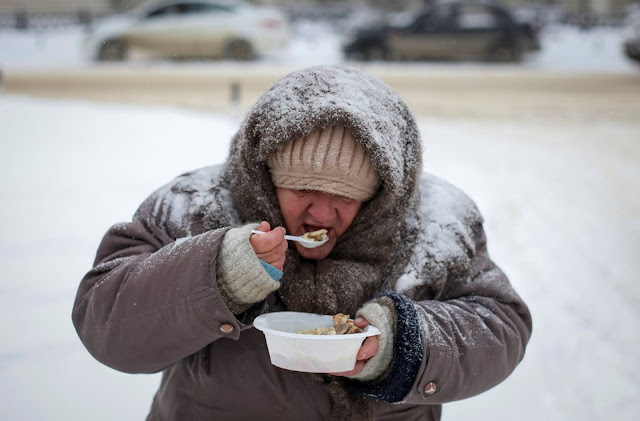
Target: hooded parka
153,303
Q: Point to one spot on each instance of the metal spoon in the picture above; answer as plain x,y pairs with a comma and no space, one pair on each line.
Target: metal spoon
310,244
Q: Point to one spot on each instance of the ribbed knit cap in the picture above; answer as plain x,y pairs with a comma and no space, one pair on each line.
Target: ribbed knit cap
328,160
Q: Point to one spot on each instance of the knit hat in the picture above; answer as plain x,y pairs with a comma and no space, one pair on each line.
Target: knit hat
328,160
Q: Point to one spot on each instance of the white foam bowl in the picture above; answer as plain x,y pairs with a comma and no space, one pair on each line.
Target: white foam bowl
309,353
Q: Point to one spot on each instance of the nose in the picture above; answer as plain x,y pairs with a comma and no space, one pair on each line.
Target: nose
322,209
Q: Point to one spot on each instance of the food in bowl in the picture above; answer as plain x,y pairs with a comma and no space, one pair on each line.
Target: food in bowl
341,326
319,235
291,350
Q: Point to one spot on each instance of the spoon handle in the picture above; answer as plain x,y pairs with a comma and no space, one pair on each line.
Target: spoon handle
286,237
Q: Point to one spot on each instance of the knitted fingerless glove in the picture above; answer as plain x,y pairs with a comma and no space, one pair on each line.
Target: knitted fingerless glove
242,279
395,381
381,314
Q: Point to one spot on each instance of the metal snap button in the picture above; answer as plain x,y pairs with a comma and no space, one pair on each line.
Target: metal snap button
430,388
226,329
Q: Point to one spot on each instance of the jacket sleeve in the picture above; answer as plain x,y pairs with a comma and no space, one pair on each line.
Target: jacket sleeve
473,337
150,301
461,344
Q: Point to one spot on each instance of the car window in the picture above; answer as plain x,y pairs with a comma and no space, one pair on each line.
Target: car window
473,16
441,17
186,8
163,11
205,7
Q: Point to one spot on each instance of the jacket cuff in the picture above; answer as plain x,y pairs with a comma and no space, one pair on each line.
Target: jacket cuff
273,271
398,380
242,280
380,313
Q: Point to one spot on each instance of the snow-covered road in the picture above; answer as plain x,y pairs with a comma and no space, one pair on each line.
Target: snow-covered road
468,93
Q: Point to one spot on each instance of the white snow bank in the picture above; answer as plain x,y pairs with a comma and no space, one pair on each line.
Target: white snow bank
566,48
38,48
560,221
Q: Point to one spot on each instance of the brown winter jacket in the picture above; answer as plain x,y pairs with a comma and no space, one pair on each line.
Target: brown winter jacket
151,303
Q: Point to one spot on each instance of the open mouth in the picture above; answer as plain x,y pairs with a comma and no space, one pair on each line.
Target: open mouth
312,228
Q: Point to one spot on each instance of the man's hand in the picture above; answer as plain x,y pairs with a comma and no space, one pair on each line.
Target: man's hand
368,349
270,247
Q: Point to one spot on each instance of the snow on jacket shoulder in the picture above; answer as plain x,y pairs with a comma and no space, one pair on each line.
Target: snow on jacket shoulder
461,329
151,300
151,304
474,326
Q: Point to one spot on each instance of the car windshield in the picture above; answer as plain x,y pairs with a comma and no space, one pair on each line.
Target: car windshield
439,18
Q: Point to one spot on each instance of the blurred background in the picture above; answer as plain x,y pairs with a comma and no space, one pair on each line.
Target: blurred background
550,34
532,107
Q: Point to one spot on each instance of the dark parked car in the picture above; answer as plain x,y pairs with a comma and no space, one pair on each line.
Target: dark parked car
452,30
632,38
632,48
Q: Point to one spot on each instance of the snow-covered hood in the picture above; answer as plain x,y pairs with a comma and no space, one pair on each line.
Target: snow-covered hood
295,106
319,97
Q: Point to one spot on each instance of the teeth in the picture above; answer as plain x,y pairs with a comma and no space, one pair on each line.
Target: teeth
315,228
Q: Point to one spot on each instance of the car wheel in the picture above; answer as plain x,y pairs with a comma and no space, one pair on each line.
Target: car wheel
504,54
238,50
112,50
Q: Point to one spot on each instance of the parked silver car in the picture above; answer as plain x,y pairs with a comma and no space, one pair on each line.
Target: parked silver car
191,29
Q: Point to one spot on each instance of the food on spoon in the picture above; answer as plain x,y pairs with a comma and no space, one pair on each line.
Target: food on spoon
341,326
320,235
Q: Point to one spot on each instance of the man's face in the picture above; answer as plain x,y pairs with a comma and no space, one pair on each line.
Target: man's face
310,210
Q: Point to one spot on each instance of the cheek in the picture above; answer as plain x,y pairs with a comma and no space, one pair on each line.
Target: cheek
288,208
293,216
349,214
346,217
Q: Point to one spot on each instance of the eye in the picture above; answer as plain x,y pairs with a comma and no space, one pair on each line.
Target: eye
301,193
348,202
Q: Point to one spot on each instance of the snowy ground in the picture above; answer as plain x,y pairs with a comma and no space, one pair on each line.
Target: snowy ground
564,48
560,202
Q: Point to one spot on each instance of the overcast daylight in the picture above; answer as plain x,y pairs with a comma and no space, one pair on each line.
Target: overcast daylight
531,108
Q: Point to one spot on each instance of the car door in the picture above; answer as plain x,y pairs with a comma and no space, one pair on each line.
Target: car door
429,36
205,28
182,29
158,30
477,29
